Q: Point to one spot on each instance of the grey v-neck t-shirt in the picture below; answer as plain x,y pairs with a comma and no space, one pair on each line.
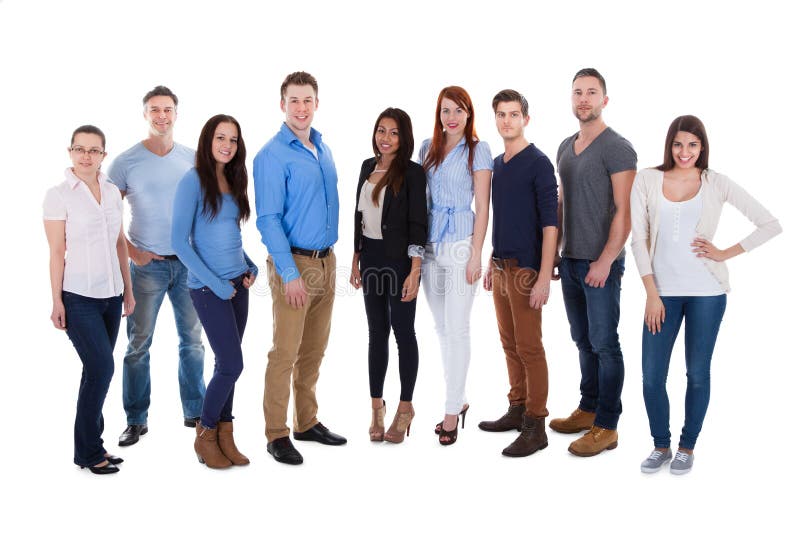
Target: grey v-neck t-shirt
588,202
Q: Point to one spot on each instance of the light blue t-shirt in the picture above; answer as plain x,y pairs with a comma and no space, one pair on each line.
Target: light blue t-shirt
451,190
211,249
148,182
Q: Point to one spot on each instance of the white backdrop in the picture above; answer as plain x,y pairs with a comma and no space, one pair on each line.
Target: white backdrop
69,63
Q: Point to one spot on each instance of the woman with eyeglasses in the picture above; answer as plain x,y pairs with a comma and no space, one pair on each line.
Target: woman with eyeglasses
675,211
91,286
210,206
459,171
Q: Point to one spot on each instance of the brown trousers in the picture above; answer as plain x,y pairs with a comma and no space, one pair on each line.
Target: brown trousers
299,339
521,336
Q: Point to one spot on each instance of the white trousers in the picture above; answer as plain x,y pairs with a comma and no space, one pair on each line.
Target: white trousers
444,279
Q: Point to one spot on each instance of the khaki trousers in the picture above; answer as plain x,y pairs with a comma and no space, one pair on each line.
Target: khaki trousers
521,336
299,339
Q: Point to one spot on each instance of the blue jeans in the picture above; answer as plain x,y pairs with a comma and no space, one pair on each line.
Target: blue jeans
703,318
593,314
224,322
92,326
150,283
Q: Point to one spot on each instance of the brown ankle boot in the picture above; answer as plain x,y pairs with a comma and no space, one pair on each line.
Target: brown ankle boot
532,438
207,448
227,445
578,421
511,420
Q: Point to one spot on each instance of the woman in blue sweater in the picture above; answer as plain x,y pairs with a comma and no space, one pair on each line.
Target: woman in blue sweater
210,204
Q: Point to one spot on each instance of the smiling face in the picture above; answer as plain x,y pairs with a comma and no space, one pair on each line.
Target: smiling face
225,143
87,153
686,149
299,104
510,121
160,113
588,98
453,117
387,137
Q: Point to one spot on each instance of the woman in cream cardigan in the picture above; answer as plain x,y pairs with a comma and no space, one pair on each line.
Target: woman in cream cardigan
675,210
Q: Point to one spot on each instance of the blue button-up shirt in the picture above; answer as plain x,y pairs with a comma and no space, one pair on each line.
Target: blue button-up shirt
451,189
296,198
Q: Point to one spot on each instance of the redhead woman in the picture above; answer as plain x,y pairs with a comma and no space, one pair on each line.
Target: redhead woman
391,227
210,205
459,171
675,211
91,286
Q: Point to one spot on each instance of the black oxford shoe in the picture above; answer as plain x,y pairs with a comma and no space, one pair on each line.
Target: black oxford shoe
283,451
107,469
320,434
131,434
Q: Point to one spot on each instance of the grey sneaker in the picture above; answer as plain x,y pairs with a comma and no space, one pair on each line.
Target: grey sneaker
656,461
682,463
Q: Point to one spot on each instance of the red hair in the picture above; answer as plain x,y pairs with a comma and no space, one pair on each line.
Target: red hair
436,154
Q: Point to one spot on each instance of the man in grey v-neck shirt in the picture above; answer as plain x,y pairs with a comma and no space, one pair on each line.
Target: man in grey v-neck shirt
596,167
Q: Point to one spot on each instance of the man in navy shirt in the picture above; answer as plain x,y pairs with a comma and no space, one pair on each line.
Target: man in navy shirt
524,236
298,216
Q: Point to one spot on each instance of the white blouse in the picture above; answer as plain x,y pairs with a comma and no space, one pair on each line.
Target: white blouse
370,213
91,266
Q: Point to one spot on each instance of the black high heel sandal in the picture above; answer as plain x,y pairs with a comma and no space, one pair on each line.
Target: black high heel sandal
463,413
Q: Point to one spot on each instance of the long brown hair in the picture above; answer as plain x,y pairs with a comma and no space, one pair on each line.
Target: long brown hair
436,154
397,168
235,171
694,126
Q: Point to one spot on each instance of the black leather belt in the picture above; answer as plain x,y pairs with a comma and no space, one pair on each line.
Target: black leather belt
169,256
504,263
312,253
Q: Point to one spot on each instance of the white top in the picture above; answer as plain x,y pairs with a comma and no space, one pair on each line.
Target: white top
370,213
91,266
677,271
717,190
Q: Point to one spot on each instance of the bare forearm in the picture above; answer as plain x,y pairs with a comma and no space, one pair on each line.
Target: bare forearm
56,274
617,236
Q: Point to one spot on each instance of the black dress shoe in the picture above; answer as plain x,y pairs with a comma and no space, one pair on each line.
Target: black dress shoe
131,434
190,422
107,469
321,434
114,460
283,451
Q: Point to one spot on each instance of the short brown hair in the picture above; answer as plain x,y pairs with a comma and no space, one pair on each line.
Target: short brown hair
298,78
160,90
510,95
589,71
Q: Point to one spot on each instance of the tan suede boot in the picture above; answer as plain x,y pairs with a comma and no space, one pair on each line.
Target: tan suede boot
577,421
228,446
597,440
207,448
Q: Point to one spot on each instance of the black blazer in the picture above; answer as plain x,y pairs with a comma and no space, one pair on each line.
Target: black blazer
404,220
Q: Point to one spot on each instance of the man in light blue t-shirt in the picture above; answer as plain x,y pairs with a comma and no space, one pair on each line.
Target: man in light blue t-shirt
147,175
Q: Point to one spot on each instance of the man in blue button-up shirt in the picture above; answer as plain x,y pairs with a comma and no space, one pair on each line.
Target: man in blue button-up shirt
298,216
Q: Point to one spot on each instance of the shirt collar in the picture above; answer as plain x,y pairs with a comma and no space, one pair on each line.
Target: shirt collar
73,181
288,136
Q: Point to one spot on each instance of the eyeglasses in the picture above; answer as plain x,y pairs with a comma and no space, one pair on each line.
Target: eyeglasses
94,152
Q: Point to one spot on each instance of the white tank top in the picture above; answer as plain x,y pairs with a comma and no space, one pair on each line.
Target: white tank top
676,269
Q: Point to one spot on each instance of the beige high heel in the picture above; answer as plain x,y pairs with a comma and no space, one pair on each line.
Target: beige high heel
401,427
376,431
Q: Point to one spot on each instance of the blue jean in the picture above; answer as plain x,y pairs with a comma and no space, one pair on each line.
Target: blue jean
703,318
593,314
150,283
224,322
92,326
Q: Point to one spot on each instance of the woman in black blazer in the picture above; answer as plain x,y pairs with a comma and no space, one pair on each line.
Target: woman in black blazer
391,228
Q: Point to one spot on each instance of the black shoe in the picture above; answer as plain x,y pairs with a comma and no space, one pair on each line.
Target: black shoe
283,451
190,422
320,434
114,460
511,420
131,434
107,469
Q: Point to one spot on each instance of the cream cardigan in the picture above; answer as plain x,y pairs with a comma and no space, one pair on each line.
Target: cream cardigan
717,189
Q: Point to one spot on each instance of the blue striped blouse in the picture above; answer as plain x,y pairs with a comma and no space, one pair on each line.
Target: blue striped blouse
450,191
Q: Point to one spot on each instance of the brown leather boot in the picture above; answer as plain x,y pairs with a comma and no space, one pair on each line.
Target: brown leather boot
511,420
597,440
227,445
207,448
577,421
532,438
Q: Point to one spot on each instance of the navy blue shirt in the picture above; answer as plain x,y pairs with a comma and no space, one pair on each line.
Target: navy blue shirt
525,200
